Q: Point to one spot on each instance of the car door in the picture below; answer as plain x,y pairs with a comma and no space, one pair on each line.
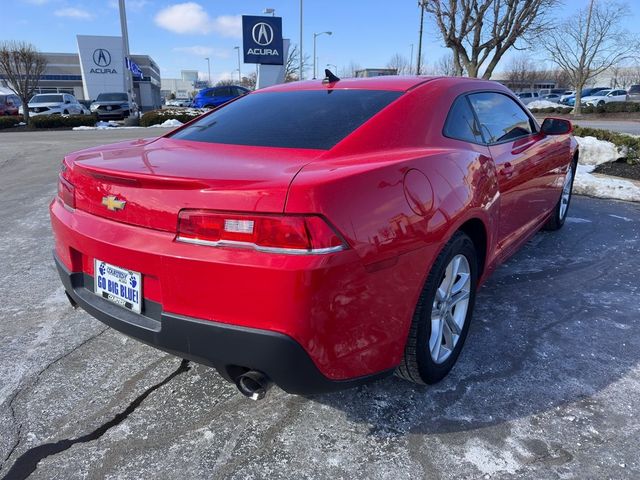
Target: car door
619,95
523,165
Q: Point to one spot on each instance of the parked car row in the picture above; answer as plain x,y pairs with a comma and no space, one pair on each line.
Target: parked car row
593,96
210,97
106,106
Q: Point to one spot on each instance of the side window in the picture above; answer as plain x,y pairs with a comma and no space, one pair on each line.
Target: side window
461,123
223,92
500,118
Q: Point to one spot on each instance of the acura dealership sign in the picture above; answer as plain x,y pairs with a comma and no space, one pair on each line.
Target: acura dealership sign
102,64
262,40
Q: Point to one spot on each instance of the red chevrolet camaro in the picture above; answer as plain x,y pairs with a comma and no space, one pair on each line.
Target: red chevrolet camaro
316,235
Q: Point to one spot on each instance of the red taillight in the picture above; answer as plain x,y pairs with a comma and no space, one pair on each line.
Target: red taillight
274,233
66,192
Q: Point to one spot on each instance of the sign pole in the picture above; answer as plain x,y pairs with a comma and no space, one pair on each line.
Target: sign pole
128,78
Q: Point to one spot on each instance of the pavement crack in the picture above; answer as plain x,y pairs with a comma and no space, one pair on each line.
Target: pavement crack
31,384
27,463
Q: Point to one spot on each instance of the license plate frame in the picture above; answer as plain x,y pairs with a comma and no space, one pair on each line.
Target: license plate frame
118,285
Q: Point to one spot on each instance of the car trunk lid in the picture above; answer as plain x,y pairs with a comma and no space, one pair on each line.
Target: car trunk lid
147,183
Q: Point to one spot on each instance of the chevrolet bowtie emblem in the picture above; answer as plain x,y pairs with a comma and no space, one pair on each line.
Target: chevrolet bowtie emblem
112,203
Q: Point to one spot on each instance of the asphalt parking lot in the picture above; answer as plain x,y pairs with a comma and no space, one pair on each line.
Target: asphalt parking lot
548,385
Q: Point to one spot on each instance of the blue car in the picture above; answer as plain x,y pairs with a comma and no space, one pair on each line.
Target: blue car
571,101
216,96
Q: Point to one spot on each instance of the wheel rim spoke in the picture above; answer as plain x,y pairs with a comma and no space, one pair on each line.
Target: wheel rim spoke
450,307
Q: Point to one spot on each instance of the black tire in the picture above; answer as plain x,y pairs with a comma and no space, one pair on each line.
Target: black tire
417,365
601,103
556,221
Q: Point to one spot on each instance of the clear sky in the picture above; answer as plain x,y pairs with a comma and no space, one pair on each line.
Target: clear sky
180,34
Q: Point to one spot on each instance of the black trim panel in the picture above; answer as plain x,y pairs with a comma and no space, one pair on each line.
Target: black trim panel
211,343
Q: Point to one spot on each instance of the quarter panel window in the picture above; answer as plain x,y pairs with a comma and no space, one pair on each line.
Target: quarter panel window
501,119
461,123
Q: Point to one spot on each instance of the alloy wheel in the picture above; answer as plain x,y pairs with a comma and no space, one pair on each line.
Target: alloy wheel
566,192
449,309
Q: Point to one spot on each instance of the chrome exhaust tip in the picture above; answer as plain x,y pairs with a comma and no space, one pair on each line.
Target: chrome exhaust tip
254,384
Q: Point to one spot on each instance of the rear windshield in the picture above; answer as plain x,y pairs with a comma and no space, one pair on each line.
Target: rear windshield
112,97
46,99
316,119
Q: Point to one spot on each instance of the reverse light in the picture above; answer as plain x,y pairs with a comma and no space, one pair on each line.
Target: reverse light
292,234
66,192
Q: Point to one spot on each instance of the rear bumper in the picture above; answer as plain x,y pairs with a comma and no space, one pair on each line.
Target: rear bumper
225,347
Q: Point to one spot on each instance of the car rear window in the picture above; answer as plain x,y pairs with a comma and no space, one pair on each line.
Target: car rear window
315,119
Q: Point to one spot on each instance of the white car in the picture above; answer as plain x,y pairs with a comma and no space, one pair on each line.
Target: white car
179,102
53,104
566,95
605,96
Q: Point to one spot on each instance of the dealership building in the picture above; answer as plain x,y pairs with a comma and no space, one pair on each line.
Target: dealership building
65,74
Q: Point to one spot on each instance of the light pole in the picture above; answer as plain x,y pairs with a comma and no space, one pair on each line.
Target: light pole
209,69
316,35
300,46
411,60
421,4
239,72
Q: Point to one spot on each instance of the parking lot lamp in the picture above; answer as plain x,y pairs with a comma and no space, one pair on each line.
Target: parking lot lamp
422,4
209,69
316,35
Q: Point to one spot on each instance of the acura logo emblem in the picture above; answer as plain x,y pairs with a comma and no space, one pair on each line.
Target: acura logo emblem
262,34
102,57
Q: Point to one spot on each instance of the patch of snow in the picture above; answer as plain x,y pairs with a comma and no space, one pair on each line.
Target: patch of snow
586,183
542,104
171,123
626,219
577,220
21,124
594,151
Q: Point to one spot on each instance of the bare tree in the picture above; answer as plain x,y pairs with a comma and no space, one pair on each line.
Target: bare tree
22,66
482,31
292,65
350,70
623,76
590,42
446,66
400,64
250,81
521,72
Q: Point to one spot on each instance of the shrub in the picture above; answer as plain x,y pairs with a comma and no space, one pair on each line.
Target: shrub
629,145
157,117
535,110
62,121
9,121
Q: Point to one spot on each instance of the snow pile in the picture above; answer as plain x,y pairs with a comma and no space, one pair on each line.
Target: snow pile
542,104
171,123
586,183
594,151
193,112
100,126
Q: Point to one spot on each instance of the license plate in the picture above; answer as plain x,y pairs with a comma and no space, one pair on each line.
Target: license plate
118,285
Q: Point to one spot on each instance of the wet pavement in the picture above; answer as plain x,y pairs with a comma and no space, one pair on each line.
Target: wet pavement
547,386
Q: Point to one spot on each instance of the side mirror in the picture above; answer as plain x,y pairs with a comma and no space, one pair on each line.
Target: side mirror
556,126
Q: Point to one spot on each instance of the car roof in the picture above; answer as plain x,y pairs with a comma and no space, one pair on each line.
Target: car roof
387,82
